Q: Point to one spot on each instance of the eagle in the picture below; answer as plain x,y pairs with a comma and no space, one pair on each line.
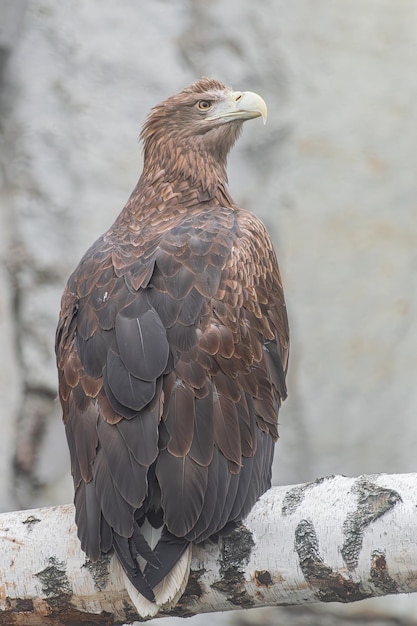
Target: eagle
172,352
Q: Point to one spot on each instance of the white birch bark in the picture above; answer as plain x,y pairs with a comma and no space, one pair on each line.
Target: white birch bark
336,539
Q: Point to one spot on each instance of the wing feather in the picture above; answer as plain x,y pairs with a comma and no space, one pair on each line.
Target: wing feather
202,446
226,430
140,434
180,420
183,484
167,307
129,391
81,430
128,476
172,351
93,351
219,480
117,512
88,519
142,343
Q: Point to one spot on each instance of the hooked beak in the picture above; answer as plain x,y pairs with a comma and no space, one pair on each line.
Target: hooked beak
241,105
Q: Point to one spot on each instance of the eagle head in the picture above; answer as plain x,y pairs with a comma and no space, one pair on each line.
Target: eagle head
206,116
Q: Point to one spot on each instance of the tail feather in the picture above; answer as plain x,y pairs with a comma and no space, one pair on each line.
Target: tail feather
131,568
170,589
143,549
166,593
168,551
162,581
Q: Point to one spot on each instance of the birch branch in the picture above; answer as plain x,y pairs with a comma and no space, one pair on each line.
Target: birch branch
336,539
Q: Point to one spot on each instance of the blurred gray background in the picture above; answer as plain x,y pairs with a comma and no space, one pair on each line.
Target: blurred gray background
333,175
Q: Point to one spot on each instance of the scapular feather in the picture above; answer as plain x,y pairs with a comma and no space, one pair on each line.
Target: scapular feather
128,390
142,344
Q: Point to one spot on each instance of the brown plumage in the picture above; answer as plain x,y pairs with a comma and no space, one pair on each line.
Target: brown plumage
172,348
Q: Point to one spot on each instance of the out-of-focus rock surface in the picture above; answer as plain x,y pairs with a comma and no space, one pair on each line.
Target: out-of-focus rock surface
333,175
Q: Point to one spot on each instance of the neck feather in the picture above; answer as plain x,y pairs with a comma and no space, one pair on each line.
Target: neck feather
185,162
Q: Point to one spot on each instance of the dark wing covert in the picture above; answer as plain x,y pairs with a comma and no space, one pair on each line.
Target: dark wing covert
172,352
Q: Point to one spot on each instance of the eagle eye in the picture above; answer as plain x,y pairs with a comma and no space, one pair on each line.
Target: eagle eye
204,105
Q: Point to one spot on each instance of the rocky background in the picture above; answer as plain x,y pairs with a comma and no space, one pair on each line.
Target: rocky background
333,175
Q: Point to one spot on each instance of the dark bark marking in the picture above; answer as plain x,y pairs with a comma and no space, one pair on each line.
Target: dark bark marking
55,583
235,551
64,615
31,521
295,496
328,585
21,605
263,578
373,503
99,571
193,589
379,576
130,615
58,593
192,593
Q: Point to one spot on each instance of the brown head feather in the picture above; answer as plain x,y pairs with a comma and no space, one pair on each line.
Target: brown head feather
177,136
